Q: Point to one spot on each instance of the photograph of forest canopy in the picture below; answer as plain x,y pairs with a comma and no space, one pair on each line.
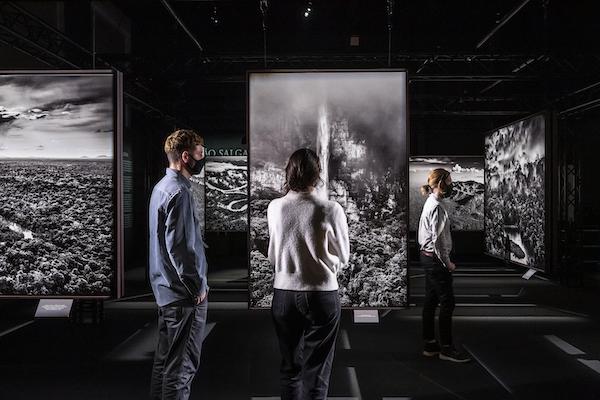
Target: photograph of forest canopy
356,122
515,208
227,194
465,205
56,185
199,195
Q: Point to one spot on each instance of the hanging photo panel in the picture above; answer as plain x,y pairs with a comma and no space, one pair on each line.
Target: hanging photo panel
356,121
465,205
60,212
226,194
515,193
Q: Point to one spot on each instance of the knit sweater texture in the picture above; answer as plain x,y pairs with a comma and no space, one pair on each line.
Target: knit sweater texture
308,241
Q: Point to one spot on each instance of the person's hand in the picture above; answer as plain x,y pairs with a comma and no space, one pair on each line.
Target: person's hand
200,298
451,266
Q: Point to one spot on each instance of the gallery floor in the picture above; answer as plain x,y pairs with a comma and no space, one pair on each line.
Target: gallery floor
531,339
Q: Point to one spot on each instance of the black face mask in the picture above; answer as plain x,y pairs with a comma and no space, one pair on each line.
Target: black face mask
449,191
196,167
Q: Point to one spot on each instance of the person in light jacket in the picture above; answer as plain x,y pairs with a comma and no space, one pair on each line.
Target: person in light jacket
308,245
435,242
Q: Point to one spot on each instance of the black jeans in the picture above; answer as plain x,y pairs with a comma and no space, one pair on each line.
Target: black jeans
307,324
438,289
180,333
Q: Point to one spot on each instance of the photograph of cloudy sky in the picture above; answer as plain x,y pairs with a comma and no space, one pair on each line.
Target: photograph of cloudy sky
356,122
465,205
56,117
56,184
515,207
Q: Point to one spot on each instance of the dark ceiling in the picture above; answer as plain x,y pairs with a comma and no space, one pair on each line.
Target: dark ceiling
472,64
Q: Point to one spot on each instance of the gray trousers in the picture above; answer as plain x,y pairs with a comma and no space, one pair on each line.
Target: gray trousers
177,356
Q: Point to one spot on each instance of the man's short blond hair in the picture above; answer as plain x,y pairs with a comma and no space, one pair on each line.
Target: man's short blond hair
181,140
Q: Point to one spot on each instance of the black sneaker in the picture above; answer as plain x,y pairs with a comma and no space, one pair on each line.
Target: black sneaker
431,349
449,353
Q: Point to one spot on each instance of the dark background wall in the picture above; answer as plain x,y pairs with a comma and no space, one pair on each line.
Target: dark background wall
543,58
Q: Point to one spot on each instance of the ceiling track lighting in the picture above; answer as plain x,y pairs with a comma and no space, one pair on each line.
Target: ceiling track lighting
214,18
308,9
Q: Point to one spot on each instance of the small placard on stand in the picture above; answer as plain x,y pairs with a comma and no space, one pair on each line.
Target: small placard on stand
366,316
54,308
529,274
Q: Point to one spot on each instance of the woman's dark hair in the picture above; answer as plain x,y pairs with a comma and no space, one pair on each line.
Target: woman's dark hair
302,171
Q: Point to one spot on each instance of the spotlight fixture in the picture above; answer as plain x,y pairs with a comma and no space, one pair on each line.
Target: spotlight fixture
214,18
308,9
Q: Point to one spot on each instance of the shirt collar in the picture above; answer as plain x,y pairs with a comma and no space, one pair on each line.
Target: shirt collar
179,176
435,197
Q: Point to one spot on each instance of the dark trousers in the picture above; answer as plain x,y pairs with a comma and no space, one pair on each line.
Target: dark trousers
307,324
438,290
180,333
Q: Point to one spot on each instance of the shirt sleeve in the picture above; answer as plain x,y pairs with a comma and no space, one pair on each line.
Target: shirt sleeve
180,237
339,241
439,219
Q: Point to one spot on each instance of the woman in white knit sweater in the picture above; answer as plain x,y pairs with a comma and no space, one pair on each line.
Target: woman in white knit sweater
308,244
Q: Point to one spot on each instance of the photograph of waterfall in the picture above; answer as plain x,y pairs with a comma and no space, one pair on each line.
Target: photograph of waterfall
465,205
56,184
226,194
356,122
515,204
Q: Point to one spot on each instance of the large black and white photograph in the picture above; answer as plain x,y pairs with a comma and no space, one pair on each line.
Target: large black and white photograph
226,194
198,182
515,211
56,185
356,122
465,204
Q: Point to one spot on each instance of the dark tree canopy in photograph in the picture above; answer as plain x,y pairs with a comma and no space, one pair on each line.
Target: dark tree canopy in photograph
56,185
515,205
226,181
356,122
199,195
465,205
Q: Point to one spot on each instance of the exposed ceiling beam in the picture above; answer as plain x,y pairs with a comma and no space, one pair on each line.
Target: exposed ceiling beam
502,22
471,113
470,78
180,22
582,107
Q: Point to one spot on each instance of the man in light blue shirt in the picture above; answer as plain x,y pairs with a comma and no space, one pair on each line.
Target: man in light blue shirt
177,264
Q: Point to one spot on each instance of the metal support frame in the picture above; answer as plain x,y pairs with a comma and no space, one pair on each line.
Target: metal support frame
264,9
580,101
570,239
20,29
502,22
30,35
390,14
182,24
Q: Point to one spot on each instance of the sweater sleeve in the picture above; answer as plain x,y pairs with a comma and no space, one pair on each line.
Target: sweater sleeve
439,219
339,242
271,226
